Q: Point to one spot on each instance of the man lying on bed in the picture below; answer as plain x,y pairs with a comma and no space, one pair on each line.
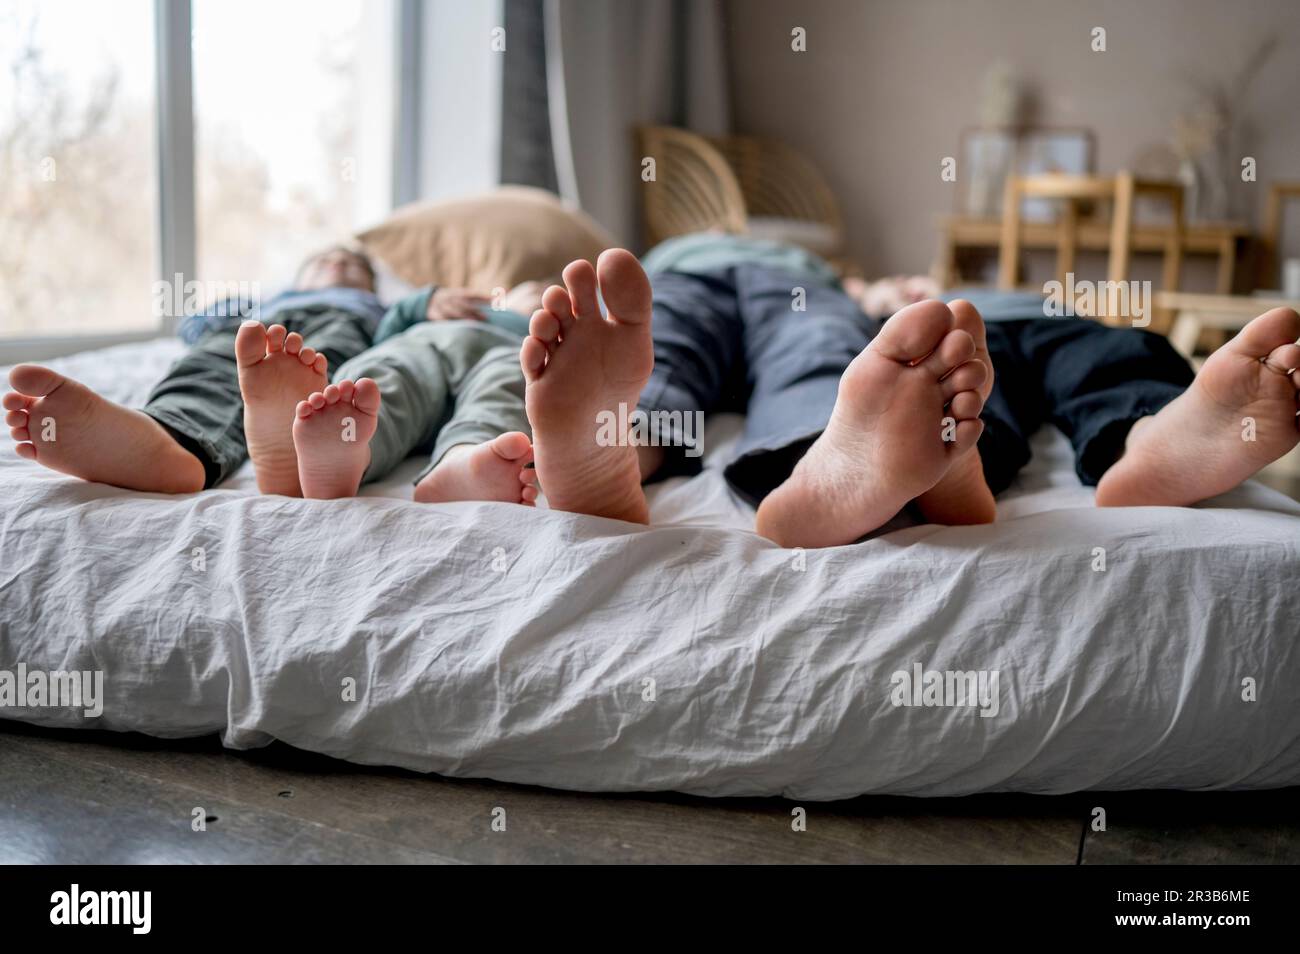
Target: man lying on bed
260,390
850,418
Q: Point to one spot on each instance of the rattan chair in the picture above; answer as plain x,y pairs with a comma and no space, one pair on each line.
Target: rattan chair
743,185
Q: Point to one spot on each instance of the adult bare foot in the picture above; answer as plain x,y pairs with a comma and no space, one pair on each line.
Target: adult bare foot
67,427
275,373
577,364
907,407
494,470
331,438
1236,417
962,496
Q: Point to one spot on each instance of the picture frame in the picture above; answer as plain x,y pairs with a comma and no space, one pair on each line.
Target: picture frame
990,154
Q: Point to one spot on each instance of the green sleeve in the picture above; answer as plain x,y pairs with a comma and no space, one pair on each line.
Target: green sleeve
410,311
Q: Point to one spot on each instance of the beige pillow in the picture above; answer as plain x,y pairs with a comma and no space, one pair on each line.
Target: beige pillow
497,240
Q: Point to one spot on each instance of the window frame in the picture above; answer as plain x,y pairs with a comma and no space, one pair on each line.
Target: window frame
175,227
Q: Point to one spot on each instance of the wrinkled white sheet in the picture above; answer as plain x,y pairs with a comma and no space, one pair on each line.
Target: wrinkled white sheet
531,646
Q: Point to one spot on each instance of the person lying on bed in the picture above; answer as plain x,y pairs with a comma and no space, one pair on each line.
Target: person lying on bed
259,389
850,418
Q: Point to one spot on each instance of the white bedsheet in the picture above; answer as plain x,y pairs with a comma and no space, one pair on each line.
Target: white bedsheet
532,646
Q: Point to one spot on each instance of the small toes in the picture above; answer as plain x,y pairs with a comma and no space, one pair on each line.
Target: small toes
303,409
957,347
16,418
966,434
292,342
545,326
528,496
317,400
1285,359
528,476
532,357
345,387
580,279
556,300
966,406
332,394
26,451
13,401
275,338
307,356
966,377
20,433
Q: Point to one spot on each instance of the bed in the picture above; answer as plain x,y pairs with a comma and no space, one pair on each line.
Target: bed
1134,649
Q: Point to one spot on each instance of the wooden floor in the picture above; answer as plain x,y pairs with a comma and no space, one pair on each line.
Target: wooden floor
76,797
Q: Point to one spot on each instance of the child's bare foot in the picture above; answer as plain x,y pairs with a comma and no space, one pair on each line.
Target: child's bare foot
1200,445
578,364
913,386
275,373
962,496
67,427
331,438
494,470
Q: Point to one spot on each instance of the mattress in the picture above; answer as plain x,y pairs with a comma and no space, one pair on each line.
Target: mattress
1063,648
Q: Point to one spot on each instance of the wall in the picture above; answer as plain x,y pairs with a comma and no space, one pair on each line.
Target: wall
886,86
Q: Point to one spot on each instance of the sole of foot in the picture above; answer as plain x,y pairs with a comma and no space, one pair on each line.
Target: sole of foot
908,407
331,438
494,470
1238,416
581,366
962,496
63,425
276,372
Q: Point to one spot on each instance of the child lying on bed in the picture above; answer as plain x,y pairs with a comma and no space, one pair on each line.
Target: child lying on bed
850,418
259,389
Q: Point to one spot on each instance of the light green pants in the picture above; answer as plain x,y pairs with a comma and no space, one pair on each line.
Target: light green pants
443,383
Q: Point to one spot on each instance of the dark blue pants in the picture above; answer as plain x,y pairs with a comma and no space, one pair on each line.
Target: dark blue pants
731,340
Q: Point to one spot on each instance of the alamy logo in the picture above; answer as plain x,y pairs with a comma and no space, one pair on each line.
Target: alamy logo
172,299
638,428
36,688
1098,300
947,687
103,907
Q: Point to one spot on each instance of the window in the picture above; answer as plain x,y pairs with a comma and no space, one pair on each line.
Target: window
292,109
284,158
77,168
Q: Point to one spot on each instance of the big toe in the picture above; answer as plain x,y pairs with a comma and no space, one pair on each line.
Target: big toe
624,286
34,380
250,343
512,445
365,396
580,280
1262,335
914,332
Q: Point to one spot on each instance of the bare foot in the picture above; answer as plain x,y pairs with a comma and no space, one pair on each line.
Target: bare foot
494,470
579,364
907,408
67,427
1199,444
962,496
275,373
331,438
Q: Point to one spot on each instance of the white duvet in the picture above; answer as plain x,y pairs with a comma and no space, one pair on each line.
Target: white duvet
1140,648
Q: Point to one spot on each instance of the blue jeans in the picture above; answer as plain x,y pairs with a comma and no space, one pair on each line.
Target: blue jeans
731,340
